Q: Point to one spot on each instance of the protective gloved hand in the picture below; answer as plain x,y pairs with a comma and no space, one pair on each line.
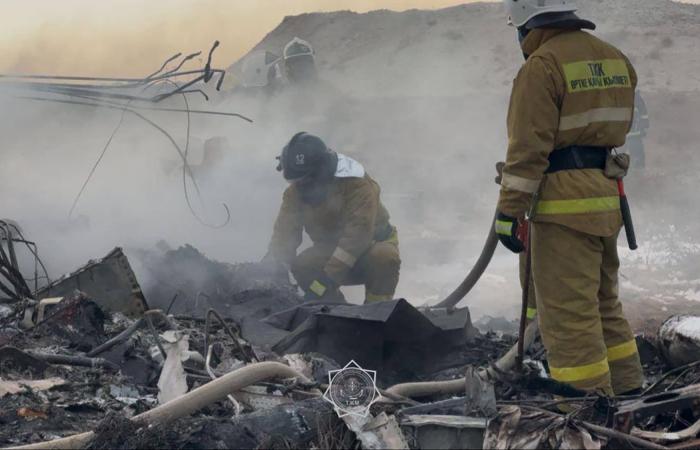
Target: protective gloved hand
320,286
512,232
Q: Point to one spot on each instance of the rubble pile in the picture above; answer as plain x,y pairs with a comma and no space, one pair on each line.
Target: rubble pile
249,368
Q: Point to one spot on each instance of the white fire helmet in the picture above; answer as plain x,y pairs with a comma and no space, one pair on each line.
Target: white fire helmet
521,11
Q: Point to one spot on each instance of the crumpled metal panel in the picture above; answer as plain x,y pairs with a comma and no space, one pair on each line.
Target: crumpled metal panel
679,339
516,428
391,337
632,412
444,432
110,281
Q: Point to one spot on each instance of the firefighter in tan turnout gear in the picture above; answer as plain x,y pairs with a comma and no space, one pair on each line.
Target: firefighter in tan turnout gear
571,105
336,202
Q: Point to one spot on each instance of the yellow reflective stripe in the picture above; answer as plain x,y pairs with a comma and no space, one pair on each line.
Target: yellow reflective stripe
531,313
578,206
594,115
520,184
371,298
621,351
597,75
344,257
317,288
504,228
572,374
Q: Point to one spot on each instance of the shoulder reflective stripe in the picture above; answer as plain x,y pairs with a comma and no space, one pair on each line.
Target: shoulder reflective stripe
516,183
595,115
371,298
504,228
317,288
621,351
579,206
580,373
344,257
597,75
531,313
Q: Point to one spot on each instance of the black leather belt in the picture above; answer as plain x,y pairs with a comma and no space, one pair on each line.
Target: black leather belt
577,157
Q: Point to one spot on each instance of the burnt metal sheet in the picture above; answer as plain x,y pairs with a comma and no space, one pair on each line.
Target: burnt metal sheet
110,281
391,337
445,432
635,411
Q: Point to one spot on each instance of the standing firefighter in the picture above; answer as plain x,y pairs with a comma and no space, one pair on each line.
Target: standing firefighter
572,103
332,198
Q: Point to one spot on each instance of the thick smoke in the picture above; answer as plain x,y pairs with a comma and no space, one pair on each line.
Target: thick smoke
419,98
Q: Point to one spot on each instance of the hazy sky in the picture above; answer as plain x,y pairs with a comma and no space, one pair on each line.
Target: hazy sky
131,37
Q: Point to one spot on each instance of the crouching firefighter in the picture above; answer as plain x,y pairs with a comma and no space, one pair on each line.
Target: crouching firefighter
571,105
333,199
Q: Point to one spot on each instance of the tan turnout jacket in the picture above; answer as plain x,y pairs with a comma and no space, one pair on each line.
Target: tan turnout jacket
574,89
351,219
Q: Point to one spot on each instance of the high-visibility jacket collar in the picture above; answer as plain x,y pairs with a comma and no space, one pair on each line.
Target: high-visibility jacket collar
537,37
348,168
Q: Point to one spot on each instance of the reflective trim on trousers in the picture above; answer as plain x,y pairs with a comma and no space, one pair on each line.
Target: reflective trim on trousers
580,373
344,257
622,351
371,298
531,313
578,206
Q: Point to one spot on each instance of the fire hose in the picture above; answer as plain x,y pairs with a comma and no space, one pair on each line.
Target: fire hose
189,403
475,274
504,364
482,263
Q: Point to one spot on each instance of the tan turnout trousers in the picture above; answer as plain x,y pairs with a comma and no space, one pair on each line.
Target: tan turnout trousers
590,344
378,269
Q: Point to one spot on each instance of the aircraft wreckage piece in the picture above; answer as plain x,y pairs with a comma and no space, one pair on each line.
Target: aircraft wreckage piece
443,431
635,411
110,281
123,89
189,403
393,338
679,340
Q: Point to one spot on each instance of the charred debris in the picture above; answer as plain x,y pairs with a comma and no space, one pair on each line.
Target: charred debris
214,355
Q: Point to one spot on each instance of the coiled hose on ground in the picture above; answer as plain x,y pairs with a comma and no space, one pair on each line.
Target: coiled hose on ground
189,403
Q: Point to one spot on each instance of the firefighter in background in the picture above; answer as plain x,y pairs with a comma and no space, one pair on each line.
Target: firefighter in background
337,204
572,102
635,138
299,62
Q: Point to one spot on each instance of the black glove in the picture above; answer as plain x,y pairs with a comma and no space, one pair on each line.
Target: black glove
509,231
322,285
